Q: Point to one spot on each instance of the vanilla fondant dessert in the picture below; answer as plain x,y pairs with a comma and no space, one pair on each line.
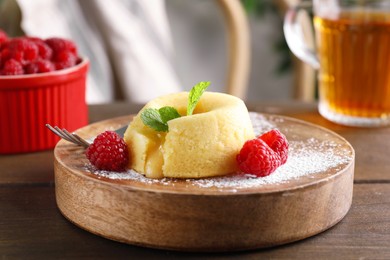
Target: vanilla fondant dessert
202,144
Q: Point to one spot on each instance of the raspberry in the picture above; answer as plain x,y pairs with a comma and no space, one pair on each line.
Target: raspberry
4,56
108,152
262,155
257,158
277,142
39,66
3,36
58,45
44,50
12,67
22,50
65,60
36,55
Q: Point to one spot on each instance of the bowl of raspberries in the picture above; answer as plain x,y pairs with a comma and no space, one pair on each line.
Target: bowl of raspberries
41,81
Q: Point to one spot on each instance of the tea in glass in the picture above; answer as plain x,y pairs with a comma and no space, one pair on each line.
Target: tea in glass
352,58
354,55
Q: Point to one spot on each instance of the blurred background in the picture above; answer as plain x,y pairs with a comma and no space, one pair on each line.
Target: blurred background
141,49
199,26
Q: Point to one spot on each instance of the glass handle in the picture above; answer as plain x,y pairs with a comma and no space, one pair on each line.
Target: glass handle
293,32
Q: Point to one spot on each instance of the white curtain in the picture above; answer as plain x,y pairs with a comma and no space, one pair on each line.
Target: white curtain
128,43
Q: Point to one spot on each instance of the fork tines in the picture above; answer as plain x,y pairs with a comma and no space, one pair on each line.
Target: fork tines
71,137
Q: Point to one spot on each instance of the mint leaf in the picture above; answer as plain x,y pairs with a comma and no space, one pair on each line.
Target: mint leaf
157,119
152,118
168,113
195,94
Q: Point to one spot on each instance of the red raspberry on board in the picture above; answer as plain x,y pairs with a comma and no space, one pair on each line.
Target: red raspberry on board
262,155
108,152
277,142
39,66
257,158
12,67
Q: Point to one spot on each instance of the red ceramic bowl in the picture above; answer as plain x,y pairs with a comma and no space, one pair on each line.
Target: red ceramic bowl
28,102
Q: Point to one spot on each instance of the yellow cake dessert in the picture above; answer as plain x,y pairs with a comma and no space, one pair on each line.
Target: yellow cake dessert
203,144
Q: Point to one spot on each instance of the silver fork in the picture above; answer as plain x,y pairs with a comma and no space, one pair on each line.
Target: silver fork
71,137
74,138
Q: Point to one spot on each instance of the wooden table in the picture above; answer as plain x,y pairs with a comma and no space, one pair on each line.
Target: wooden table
31,227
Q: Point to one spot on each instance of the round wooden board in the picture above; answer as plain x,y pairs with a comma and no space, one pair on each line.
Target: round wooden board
179,215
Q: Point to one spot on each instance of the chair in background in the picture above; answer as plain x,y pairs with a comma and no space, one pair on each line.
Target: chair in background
240,51
238,46
304,74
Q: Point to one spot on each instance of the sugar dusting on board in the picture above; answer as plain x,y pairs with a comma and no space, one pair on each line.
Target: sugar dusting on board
306,157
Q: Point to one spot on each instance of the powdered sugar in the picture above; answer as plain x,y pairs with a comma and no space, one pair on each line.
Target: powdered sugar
306,157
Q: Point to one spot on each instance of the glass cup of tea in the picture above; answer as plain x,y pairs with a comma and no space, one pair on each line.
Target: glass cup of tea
352,55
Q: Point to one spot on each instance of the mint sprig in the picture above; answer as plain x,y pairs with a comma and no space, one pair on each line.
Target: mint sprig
151,117
195,94
157,119
168,113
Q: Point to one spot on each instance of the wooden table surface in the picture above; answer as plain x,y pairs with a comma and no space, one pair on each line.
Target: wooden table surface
31,226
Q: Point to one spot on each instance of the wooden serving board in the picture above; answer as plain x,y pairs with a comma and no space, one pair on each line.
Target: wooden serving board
212,214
